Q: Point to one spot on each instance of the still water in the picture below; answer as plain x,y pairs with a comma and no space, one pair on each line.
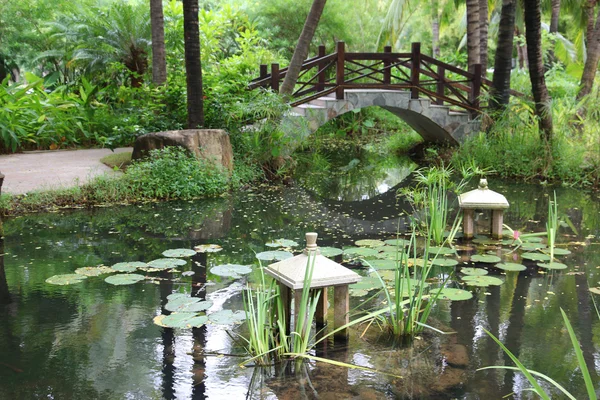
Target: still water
97,341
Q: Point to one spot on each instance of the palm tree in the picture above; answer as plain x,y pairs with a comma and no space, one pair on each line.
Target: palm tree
301,51
473,37
593,49
193,65
159,59
483,34
533,36
503,62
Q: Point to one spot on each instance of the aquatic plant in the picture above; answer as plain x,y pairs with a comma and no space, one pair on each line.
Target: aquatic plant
529,374
552,225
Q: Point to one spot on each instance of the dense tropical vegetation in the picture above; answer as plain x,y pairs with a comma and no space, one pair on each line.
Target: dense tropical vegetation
102,72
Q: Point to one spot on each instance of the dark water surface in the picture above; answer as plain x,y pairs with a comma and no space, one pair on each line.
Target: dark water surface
97,341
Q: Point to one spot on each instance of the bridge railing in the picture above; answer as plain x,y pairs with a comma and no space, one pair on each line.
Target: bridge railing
422,75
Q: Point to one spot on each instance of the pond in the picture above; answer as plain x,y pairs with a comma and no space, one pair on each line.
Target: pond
95,340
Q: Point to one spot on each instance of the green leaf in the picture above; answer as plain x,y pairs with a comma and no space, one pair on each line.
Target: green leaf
128,266
589,385
187,304
227,317
552,265
208,248
166,263
231,270
474,271
276,255
397,242
442,251
330,251
359,252
483,281
444,262
383,264
282,243
535,256
66,279
94,271
485,258
124,279
455,294
510,266
181,320
369,243
178,253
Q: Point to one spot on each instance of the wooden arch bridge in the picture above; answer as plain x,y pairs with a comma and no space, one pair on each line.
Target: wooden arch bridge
438,100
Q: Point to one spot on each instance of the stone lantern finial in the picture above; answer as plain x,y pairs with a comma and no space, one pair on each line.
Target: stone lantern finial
483,184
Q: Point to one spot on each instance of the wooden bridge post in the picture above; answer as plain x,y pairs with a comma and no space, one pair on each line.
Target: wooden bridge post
339,76
475,87
263,71
387,73
416,69
321,78
275,77
440,85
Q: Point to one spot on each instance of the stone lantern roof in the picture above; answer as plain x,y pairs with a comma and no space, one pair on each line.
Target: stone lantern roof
482,198
326,272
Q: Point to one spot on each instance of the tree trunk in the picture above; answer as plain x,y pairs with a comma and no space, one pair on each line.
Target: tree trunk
193,65
521,52
554,16
159,59
533,36
503,62
473,42
483,35
435,28
593,51
301,51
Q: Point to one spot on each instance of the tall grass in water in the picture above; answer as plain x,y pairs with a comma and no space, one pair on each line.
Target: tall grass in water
552,225
529,374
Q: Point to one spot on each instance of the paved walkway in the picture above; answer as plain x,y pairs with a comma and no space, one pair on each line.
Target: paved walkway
43,170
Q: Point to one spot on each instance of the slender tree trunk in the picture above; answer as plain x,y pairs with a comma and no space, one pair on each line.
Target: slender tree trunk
554,16
159,58
435,28
593,50
193,65
521,52
503,61
483,35
473,42
301,51
533,36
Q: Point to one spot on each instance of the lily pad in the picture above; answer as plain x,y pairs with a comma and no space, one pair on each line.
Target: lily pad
367,283
66,279
187,304
178,253
330,251
419,262
536,256
558,252
485,258
474,271
532,246
442,251
397,242
358,292
276,255
383,264
124,279
444,262
181,320
360,252
94,271
128,266
231,270
389,255
487,241
479,280
531,239
388,249
282,243
166,263
454,294
208,248
227,317
369,243
552,265
510,266
174,296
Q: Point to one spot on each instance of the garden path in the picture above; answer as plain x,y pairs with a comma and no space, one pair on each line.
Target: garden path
43,170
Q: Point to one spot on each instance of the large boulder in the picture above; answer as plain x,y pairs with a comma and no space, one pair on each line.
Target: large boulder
210,144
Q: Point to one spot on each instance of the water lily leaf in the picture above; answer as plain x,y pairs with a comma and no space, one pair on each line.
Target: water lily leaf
511,266
444,262
369,243
474,271
358,292
330,251
479,280
360,252
531,239
208,248
66,279
231,270
552,265
532,246
178,253
397,242
389,249
166,263
367,283
419,262
151,269
187,273
181,320
558,252
487,241
443,251
276,255
388,255
187,304
485,258
535,256
128,266
124,279
282,243
227,317
384,264
174,296
94,271
455,294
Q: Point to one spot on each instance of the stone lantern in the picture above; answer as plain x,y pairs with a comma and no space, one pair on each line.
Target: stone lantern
290,276
482,198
